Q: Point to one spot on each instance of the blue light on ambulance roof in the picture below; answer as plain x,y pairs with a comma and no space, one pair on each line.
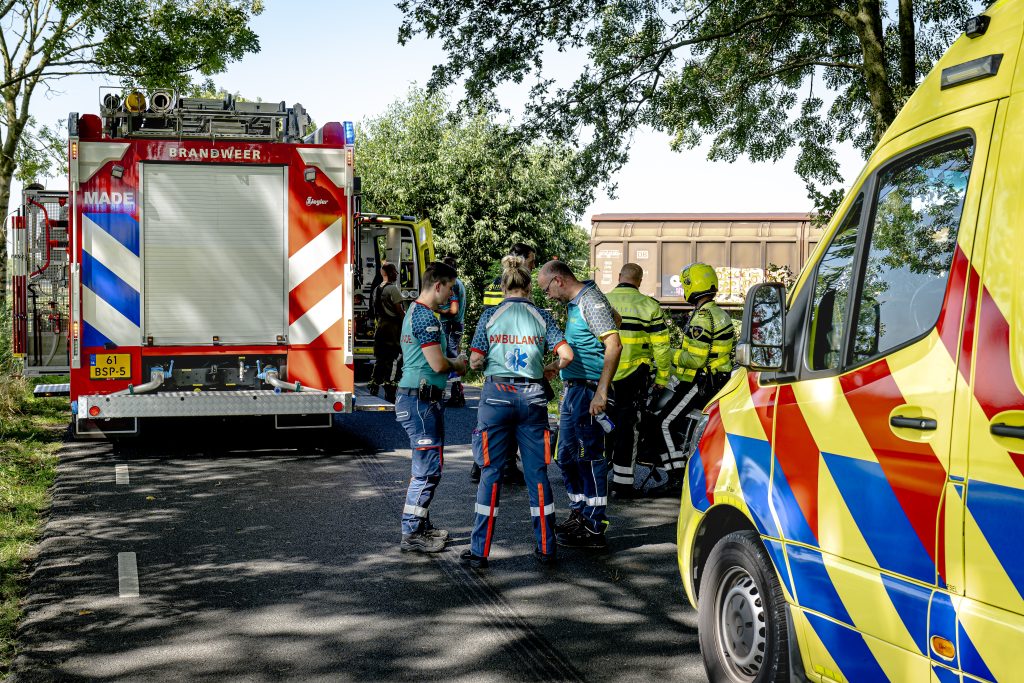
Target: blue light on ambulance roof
350,133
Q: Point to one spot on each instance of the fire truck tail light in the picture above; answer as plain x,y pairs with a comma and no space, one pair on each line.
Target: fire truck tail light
338,406
74,150
94,411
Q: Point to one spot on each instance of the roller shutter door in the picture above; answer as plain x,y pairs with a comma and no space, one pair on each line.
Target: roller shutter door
213,249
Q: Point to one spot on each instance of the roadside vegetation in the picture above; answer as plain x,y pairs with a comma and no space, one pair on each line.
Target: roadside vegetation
31,431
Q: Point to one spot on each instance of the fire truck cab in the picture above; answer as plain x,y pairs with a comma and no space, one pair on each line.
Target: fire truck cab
853,502
210,257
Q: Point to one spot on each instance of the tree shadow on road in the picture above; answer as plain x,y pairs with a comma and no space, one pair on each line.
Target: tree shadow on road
261,559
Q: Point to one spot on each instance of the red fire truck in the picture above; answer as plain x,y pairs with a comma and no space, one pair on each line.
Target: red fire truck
208,260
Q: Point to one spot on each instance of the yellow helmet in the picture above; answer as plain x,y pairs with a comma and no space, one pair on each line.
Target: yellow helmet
698,279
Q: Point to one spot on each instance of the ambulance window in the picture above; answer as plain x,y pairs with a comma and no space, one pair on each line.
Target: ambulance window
913,239
831,287
408,270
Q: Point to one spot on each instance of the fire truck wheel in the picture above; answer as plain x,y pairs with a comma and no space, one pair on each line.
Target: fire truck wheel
742,613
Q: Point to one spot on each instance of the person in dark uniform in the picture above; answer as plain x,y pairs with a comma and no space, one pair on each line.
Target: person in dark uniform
453,314
387,349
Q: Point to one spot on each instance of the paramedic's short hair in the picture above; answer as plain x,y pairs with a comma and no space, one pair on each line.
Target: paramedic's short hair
522,250
438,272
558,269
450,261
391,271
631,273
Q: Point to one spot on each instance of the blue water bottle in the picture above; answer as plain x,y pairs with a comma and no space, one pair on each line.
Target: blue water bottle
606,422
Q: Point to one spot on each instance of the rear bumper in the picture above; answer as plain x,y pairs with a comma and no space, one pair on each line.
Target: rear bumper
212,404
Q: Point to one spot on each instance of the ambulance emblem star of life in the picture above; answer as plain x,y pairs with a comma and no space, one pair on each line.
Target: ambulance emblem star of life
515,360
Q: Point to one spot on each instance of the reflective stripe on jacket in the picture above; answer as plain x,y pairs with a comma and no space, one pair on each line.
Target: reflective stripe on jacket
493,295
708,342
643,333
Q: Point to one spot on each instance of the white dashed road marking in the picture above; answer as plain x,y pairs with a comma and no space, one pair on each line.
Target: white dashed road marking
127,576
121,474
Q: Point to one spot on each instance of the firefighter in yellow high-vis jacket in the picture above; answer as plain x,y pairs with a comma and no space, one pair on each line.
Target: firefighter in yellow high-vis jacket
708,338
645,345
702,365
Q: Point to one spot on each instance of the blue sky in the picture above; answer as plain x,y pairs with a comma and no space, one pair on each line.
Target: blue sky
342,61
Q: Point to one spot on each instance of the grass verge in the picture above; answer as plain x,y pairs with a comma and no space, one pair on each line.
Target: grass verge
31,431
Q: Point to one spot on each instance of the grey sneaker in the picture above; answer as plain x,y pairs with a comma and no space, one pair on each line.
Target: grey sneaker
421,542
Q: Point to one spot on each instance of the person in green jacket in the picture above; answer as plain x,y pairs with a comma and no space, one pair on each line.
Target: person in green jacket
645,344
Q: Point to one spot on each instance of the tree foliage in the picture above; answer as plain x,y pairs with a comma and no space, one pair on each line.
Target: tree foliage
756,77
482,186
145,43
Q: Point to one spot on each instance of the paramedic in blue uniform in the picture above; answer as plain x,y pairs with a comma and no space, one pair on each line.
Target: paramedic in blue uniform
493,296
592,333
453,313
420,405
509,346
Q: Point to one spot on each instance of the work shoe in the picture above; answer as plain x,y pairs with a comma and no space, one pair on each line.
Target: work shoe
390,392
422,542
474,561
626,492
546,559
582,537
374,389
571,524
513,475
474,474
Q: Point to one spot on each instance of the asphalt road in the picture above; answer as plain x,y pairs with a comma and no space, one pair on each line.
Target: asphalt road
275,557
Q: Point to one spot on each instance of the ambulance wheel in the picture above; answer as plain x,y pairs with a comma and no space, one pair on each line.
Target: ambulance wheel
741,616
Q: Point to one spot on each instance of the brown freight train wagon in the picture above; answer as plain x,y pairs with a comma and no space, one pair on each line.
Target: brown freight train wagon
740,246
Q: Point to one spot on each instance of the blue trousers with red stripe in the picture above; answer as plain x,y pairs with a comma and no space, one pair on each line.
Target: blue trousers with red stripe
424,423
513,411
581,457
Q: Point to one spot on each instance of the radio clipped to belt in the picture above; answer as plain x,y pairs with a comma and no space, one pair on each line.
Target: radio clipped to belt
429,393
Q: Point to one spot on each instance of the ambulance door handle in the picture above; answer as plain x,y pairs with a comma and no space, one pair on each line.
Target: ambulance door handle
922,423
1003,429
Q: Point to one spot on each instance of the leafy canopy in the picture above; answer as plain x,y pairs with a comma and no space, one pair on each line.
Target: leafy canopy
756,77
482,186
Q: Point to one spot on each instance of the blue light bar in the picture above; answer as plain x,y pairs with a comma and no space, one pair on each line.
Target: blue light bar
350,133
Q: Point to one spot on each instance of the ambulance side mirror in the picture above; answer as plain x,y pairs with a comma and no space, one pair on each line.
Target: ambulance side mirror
762,339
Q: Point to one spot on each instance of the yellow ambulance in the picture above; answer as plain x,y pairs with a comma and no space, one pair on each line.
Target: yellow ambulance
854,500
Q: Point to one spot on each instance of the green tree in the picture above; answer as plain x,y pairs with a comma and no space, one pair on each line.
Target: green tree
143,42
482,186
748,75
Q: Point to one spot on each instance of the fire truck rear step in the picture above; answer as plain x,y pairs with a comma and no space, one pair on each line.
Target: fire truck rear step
214,404
51,390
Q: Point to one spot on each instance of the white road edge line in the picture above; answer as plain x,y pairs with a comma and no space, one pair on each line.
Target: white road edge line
127,576
121,474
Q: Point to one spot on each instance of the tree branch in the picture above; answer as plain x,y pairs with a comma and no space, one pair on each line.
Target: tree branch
908,49
743,25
